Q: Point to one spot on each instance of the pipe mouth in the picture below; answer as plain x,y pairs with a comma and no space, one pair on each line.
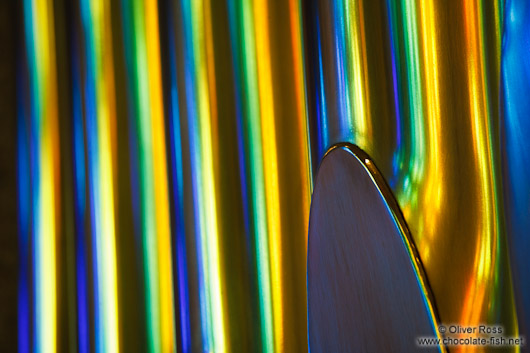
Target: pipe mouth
366,285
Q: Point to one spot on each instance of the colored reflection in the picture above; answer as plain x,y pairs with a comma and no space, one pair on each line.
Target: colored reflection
428,76
41,150
516,154
100,130
166,151
186,174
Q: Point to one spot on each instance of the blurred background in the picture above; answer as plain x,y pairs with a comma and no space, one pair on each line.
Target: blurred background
158,160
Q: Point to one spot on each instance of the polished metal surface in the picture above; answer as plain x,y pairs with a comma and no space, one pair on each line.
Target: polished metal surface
166,152
515,129
167,148
416,85
366,287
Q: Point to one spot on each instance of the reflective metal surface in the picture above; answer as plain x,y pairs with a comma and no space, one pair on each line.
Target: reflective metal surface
515,127
165,176
166,152
416,85
366,287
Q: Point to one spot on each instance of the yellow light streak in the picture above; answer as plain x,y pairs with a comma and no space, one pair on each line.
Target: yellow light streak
106,120
163,231
270,161
44,40
435,173
358,73
486,247
301,101
209,221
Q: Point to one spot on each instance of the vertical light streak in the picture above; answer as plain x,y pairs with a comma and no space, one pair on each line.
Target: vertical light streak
191,99
24,174
257,181
358,72
234,17
270,163
210,124
180,232
80,201
365,120
146,177
135,17
203,117
301,103
161,202
40,41
498,9
178,182
407,196
209,222
396,77
435,173
101,121
516,152
106,121
323,115
487,248
144,46
343,78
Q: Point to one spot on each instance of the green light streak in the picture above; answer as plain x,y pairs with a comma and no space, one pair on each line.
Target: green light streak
140,82
408,196
256,172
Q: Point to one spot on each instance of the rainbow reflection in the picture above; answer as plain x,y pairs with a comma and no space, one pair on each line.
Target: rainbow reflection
166,152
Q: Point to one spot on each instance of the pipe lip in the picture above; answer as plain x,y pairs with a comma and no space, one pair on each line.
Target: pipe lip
392,206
